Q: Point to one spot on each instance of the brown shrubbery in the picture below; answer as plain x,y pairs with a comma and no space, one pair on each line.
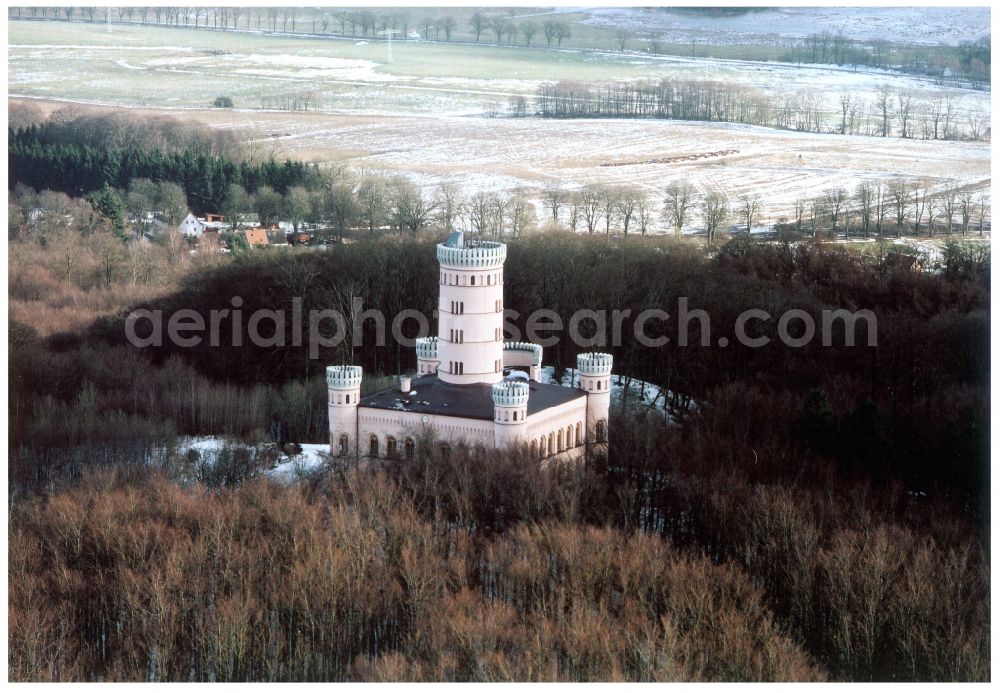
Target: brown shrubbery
152,582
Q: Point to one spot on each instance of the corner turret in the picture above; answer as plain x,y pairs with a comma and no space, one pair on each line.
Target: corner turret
595,378
343,385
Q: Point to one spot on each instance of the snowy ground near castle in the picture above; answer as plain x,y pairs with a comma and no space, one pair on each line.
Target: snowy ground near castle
288,468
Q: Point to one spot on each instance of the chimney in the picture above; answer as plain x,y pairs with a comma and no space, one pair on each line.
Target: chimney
404,383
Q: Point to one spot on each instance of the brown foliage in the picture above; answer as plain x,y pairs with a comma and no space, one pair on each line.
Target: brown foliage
152,582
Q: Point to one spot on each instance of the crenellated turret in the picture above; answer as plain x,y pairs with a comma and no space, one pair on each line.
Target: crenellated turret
594,370
427,355
343,395
510,411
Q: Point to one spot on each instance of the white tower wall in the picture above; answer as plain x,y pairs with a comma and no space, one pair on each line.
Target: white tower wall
470,311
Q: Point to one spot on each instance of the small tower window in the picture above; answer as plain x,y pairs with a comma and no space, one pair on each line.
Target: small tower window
602,431
344,445
515,416
473,280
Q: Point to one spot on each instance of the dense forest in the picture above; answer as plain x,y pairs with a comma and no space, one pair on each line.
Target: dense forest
57,155
805,513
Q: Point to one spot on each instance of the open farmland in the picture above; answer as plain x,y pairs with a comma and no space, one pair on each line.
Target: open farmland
422,115
481,154
146,66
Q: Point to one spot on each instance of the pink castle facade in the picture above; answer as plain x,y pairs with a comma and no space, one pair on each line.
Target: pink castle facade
460,390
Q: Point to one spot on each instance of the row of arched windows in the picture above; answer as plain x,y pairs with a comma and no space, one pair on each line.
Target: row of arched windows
456,367
457,336
551,444
346,399
457,307
557,441
596,385
391,446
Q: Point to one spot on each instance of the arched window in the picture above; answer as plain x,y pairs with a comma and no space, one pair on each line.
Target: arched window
569,437
445,450
534,448
578,439
344,444
390,446
515,416
559,444
409,448
602,431
373,446
473,280
551,447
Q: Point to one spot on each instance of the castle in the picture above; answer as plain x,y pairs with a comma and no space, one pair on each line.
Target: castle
471,385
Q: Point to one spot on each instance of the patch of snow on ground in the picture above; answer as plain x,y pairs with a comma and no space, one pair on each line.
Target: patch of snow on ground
314,456
638,393
287,468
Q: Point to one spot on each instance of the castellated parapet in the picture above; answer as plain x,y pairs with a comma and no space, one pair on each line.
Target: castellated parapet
510,394
594,363
471,255
343,377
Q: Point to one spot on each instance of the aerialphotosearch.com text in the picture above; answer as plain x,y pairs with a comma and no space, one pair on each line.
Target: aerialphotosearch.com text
328,328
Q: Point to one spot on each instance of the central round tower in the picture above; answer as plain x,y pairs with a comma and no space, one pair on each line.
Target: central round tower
470,311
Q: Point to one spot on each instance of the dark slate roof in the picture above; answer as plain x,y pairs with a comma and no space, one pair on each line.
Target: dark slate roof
434,396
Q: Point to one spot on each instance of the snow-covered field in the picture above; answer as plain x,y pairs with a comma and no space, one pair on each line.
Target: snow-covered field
481,154
421,115
776,25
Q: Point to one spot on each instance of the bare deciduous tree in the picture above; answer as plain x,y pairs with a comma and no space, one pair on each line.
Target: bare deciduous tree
676,202
750,211
628,197
714,210
591,204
